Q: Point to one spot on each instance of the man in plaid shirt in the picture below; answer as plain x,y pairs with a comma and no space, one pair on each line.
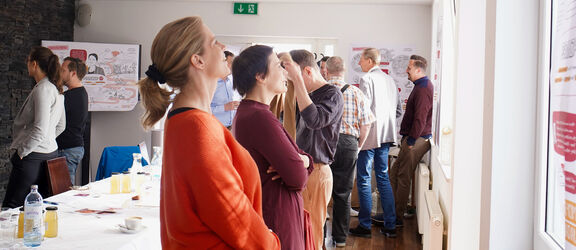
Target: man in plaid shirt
356,121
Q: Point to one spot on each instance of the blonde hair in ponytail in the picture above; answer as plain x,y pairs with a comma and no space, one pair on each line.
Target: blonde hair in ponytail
155,101
171,51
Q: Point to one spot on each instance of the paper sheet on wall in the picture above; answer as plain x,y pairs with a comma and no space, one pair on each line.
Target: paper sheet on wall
113,71
562,126
394,61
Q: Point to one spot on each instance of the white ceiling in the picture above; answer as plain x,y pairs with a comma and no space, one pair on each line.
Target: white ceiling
403,2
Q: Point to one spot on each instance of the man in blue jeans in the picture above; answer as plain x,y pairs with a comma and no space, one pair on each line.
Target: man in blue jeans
382,98
71,141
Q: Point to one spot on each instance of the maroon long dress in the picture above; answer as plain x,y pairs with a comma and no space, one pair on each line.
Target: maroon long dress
258,130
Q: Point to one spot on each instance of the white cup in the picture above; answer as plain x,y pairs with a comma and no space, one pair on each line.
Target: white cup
133,223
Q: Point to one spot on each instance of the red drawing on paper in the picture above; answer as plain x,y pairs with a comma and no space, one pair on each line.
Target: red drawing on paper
564,129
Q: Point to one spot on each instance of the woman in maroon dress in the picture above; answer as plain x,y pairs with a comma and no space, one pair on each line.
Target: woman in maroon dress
283,167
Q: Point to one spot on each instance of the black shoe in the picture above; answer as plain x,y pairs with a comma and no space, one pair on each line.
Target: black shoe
399,223
361,232
378,220
390,233
340,244
410,212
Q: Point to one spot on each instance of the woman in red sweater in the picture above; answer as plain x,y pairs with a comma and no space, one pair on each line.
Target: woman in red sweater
210,188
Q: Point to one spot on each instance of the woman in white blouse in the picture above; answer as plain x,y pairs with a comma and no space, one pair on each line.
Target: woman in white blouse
36,126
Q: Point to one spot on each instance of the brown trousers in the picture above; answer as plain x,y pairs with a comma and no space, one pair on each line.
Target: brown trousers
316,196
403,169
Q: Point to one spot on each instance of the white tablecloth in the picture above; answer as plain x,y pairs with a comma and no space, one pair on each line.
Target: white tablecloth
101,231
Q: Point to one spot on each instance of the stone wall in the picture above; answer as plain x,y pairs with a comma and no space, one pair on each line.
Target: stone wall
23,24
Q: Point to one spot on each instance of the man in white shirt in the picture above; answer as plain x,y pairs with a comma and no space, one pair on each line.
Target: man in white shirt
382,98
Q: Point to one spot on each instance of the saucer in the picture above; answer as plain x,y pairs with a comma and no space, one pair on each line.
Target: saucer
125,230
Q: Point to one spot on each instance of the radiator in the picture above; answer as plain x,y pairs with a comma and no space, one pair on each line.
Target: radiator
422,185
429,214
432,238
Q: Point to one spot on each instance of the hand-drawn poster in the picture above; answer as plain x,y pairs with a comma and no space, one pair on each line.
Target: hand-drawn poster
562,126
113,71
393,61
436,64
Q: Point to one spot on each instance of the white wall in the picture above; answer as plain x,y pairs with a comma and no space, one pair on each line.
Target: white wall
495,125
139,21
136,22
514,125
116,129
464,231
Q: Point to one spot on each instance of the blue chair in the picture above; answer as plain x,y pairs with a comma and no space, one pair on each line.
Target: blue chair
116,159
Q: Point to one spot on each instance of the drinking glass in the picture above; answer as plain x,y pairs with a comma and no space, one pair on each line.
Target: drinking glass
8,229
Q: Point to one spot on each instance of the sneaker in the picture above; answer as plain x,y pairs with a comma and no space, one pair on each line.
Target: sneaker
361,232
353,213
378,220
390,233
340,244
410,212
399,223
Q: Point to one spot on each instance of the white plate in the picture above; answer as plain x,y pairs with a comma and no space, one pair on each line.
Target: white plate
125,230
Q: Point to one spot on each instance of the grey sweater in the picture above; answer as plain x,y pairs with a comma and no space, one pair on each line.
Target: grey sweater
318,125
39,121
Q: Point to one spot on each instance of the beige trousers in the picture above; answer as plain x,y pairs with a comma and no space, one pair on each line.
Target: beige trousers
316,196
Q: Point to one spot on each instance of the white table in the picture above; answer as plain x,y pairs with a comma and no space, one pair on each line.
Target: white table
100,231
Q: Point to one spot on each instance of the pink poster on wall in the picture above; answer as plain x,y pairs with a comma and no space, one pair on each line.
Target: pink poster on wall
562,126
112,72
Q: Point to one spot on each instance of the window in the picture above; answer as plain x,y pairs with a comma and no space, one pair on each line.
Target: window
442,73
287,47
560,195
319,46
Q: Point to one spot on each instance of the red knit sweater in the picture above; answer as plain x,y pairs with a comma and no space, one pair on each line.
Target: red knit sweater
210,193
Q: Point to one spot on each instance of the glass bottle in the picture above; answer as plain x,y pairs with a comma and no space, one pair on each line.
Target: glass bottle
140,179
33,225
126,183
115,180
21,223
136,163
51,222
136,167
156,164
156,156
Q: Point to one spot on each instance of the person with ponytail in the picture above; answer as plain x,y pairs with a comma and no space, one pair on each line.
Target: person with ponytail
36,126
210,195
284,168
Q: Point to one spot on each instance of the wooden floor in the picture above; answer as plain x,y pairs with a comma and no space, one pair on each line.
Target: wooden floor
407,239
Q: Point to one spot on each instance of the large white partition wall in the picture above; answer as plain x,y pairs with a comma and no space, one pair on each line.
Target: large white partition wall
495,125
515,74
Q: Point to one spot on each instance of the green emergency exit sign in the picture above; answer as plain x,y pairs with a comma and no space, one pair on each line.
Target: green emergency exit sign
246,8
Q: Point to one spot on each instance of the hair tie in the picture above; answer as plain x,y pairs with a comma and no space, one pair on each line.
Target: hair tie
154,74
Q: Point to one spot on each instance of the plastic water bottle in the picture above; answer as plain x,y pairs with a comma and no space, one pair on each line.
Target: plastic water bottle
33,222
